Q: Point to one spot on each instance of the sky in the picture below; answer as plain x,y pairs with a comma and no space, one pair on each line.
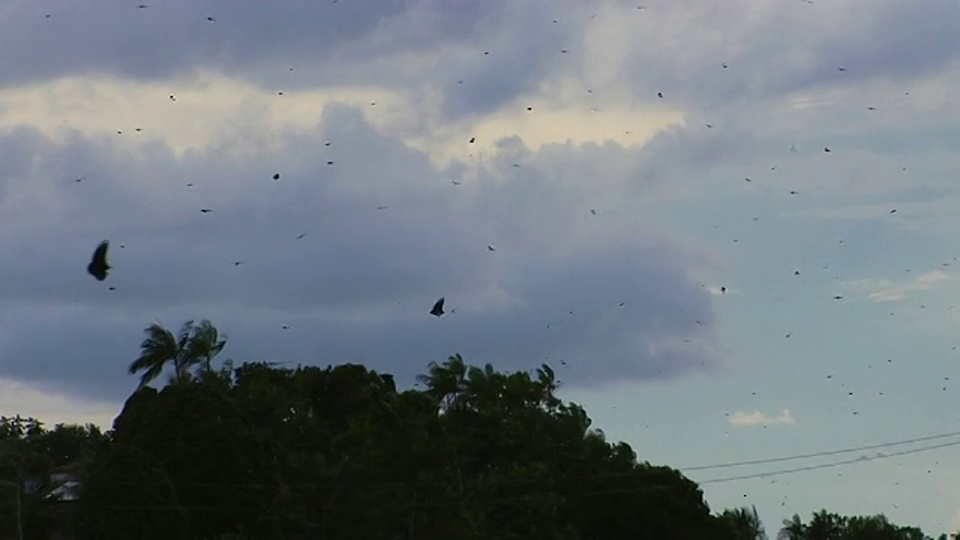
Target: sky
729,226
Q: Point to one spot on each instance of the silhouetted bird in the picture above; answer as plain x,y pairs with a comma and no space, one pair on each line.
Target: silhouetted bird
437,308
98,266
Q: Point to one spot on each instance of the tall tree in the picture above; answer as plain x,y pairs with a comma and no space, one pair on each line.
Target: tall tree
744,523
193,347
793,529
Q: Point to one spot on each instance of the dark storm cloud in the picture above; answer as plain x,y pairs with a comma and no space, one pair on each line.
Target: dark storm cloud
674,48
357,287
327,44
695,150
174,37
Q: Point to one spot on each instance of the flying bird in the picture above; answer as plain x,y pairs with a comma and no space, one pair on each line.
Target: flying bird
98,266
206,210
491,248
276,176
437,308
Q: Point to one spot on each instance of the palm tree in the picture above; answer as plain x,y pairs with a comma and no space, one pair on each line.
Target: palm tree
793,529
825,525
193,346
745,523
445,382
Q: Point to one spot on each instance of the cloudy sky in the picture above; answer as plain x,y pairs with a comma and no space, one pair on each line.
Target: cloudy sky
709,280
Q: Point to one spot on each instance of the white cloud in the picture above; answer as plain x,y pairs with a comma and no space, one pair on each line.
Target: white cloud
887,291
756,418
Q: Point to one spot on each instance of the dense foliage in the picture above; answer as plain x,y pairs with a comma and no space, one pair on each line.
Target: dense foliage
336,453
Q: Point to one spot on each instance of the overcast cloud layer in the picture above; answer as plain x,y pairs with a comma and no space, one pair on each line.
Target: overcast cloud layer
739,197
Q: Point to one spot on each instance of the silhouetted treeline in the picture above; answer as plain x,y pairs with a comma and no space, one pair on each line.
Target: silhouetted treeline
260,452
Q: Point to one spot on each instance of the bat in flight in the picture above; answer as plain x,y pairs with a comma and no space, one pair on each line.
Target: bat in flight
437,308
98,266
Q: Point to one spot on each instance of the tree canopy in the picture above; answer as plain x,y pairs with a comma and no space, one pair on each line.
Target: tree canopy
264,452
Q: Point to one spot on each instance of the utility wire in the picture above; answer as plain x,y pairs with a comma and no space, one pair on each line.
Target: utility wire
860,459
820,454
441,503
530,480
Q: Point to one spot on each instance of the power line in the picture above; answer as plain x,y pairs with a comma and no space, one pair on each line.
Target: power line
633,473
820,454
860,459
528,496
601,476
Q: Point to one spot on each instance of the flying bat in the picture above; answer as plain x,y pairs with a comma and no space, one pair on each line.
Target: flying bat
437,308
98,266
